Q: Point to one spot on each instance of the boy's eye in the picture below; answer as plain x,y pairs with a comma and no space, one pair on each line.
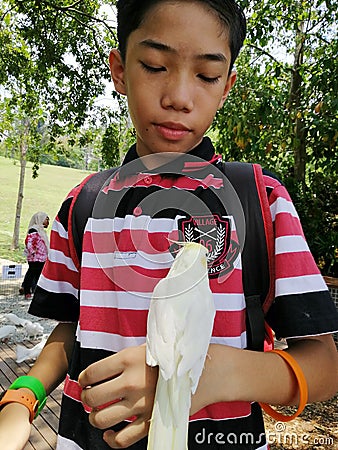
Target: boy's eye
151,69
210,80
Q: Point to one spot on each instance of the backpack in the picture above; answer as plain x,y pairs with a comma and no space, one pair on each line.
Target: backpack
258,251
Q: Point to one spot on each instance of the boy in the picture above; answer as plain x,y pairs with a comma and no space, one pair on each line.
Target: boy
174,64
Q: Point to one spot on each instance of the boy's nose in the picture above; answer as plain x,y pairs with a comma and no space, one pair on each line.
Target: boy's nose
178,94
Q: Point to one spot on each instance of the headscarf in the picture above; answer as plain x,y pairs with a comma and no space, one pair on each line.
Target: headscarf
36,223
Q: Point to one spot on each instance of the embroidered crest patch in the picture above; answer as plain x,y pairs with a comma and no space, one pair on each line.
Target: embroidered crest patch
214,232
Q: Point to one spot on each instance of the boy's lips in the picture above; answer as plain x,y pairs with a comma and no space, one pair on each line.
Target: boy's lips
172,131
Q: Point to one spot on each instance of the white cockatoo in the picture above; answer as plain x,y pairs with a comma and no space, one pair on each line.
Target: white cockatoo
6,331
15,319
33,329
180,323
23,353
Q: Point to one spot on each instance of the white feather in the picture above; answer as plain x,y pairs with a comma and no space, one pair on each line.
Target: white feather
179,329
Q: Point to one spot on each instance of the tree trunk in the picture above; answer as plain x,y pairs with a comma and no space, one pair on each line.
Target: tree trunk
299,145
16,234
23,162
300,151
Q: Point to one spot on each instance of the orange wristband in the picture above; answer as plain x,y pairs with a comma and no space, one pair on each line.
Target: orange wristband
302,385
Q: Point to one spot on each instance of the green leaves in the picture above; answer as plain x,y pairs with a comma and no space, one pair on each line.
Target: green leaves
58,49
282,112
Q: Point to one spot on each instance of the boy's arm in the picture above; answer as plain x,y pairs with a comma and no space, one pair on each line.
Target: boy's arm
230,374
52,364
50,368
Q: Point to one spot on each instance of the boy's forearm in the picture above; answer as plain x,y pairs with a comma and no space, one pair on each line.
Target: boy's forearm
242,375
50,368
52,363
277,385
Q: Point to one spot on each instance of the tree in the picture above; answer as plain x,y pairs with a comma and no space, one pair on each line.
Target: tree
23,134
53,54
282,111
118,135
294,91
66,46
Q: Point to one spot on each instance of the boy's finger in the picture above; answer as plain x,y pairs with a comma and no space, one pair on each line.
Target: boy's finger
102,394
109,415
132,433
100,371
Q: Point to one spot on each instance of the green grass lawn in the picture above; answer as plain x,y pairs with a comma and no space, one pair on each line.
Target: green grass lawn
45,193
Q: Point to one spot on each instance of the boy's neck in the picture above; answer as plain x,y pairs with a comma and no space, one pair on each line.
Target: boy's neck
155,160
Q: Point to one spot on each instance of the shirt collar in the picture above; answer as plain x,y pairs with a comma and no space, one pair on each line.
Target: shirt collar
198,158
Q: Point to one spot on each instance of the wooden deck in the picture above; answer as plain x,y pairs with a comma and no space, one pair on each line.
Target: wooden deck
43,435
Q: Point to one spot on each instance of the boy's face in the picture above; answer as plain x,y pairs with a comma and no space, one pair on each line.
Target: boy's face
175,76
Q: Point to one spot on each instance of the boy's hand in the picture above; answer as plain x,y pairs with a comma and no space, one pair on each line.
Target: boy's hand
14,426
117,388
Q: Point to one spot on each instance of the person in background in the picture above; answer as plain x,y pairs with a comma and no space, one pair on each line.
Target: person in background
36,251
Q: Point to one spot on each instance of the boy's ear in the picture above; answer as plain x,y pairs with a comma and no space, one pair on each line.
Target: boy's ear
230,82
117,71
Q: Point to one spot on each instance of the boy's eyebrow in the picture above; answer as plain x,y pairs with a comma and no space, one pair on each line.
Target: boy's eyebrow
150,43
213,57
156,45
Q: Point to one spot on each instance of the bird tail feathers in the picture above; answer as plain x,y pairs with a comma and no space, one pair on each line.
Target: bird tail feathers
166,432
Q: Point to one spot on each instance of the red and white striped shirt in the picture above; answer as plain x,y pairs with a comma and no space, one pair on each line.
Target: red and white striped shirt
126,251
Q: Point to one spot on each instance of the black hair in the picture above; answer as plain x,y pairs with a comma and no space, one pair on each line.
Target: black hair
131,13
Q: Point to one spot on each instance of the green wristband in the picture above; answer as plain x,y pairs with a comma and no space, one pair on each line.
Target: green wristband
35,386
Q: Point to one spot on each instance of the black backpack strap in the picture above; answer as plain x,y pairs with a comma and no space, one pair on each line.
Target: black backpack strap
81,209
257,258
